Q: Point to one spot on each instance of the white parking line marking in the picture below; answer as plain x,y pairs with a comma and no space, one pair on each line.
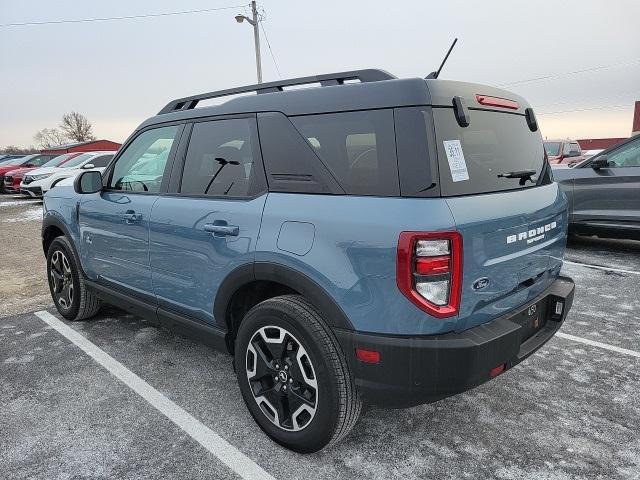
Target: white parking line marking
598,267
223,450
593,343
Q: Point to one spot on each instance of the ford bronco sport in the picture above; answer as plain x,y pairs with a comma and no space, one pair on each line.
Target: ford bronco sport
366,239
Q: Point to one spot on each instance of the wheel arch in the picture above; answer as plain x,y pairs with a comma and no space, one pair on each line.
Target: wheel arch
251,284
53,227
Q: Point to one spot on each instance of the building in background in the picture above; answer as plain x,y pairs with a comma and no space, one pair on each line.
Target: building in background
92,146
636,120
602,143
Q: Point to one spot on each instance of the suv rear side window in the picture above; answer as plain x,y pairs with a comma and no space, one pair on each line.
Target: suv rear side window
221,160
357,147
141,166
493,143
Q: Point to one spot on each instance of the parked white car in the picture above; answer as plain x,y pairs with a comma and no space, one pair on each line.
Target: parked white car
38,182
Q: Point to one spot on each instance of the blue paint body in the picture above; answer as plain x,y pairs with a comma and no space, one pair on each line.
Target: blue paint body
167,256
345,244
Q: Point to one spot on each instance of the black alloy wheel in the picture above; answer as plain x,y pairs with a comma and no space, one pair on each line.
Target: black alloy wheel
282,378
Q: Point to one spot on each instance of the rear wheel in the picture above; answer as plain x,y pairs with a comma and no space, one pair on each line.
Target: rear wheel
293,375
67,286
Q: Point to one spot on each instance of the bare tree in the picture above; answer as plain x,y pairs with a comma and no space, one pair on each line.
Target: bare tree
77,127
49,137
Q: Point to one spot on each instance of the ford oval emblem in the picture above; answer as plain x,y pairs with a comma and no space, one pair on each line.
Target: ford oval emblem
481,283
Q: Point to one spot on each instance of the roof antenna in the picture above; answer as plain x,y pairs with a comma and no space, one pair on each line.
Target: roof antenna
436,74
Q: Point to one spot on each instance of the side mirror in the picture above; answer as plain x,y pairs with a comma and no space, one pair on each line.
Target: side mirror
88,182
88,166
600,162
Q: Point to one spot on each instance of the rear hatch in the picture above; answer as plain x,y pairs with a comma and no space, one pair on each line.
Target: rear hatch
513,229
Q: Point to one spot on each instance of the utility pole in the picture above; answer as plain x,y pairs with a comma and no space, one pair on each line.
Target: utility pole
254,22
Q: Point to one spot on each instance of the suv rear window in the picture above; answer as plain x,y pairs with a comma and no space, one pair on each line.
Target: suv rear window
494,143
357,147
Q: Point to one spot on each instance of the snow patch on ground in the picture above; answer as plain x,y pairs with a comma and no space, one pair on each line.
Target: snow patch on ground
26,216
16,203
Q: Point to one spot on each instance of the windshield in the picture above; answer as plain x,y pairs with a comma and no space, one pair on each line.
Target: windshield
74,162
10,161
489,155
552,148
39,160
23,160
55,161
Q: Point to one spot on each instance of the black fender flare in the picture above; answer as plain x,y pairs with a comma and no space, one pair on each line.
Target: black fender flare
284,275
53,221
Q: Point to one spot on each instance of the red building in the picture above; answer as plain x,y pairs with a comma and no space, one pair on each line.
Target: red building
602,143
599,143
91,146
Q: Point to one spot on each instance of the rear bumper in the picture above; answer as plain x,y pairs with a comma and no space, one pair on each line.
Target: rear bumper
417,370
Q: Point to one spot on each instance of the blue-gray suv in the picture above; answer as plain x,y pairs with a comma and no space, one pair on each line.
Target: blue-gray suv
365,239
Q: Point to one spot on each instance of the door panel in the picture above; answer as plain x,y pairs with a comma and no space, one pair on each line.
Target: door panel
607,194
194,246
114,227
210,225
114,223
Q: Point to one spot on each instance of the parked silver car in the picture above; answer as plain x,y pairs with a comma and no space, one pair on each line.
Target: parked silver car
604,192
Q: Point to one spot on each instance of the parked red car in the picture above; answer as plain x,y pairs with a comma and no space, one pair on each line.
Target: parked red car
563,151
13,177
30,161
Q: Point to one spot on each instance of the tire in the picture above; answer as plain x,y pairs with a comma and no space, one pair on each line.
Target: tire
67,286
285,344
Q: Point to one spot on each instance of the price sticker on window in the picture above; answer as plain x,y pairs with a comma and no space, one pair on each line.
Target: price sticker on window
457,163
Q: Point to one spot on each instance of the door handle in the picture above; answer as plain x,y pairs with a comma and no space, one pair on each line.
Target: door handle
222,229
131,217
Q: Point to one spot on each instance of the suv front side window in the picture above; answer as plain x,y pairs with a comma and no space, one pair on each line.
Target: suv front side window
101,161
141,166
626,156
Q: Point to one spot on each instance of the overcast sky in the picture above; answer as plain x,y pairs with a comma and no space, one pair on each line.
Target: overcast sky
119,72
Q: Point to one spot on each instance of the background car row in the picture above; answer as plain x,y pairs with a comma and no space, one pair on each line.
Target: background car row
34,175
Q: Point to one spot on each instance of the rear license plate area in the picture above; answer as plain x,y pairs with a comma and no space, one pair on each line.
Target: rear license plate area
532,318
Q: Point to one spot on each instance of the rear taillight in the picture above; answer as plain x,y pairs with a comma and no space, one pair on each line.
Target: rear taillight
429,271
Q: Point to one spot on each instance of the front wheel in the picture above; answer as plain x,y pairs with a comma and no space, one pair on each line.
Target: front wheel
293,375
66,283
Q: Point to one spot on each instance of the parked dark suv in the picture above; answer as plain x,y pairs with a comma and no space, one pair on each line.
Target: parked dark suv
604,192
393,241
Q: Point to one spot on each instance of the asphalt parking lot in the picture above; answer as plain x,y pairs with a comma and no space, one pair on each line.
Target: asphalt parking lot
116,397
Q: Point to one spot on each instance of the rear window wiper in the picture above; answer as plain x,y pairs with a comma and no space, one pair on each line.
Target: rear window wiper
523,175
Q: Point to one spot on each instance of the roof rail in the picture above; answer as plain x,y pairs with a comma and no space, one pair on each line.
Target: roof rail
368,75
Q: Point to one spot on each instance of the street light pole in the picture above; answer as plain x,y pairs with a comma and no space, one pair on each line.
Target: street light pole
256,39
256,35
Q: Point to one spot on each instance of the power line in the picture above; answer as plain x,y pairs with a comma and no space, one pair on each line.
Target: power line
585,109
567,74
270,50
629,95
126,17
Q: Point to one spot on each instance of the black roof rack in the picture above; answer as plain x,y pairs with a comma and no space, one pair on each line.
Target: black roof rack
369,75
